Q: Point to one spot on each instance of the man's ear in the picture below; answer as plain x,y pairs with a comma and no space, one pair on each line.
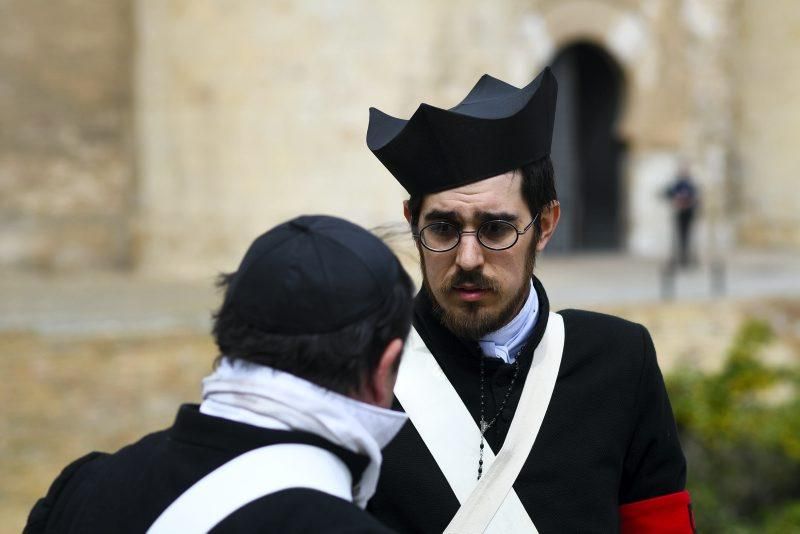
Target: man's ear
548,220
379,389
406,211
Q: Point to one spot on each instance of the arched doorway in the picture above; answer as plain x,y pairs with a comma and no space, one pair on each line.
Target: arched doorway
587,154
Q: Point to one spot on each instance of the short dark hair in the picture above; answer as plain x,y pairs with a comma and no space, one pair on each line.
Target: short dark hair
340,361
538,190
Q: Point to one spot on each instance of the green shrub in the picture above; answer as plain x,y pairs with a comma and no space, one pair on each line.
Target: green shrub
740,428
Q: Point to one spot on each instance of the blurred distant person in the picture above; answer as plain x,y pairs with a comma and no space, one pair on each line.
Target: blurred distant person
685,200
521,419
288,437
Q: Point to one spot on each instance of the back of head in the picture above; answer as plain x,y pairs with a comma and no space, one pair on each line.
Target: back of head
317,297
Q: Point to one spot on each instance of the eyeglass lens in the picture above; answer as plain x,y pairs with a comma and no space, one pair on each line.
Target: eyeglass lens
443,236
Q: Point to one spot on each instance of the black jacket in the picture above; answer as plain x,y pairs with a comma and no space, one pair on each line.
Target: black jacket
608,437
126,491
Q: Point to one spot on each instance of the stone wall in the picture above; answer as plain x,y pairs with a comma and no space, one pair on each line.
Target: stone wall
165,134
252,112
65,133
767,114
249,113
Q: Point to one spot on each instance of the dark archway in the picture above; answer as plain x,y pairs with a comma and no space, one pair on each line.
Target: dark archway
587,153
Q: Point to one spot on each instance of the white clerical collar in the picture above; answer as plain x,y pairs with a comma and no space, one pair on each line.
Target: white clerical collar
506,342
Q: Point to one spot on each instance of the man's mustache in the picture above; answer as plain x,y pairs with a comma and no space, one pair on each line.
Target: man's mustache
474,279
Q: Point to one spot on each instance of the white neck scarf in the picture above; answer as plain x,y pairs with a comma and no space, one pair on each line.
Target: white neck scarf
506,342
262,396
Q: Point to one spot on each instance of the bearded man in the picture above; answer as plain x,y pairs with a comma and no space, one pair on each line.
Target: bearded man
521,420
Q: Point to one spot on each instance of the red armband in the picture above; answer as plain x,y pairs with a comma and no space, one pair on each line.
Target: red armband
668,514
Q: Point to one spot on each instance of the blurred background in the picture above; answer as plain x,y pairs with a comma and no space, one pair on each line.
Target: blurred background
145,143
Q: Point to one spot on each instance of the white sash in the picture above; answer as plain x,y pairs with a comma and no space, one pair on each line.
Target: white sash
251,476
452,437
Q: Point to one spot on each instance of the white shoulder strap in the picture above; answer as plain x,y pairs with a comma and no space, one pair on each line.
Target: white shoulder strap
251,476
452,437
477,512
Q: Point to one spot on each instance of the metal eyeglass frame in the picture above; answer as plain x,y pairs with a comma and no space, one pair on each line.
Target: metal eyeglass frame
460,232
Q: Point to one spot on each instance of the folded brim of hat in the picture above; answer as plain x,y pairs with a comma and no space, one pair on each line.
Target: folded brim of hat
495,129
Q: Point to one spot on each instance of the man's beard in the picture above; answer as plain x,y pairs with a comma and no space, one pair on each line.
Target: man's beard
471,320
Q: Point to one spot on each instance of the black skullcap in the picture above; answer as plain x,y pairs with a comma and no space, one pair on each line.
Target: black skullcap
495,129
311,275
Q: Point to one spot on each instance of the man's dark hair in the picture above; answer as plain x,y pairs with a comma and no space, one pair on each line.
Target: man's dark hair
538,190
340,361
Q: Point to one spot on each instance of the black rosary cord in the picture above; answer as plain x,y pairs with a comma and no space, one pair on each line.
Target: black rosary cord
484,426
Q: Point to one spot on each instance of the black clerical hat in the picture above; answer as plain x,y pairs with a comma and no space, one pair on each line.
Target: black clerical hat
495,129
312,275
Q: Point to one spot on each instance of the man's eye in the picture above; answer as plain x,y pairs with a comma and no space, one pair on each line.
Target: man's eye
496,229
441,229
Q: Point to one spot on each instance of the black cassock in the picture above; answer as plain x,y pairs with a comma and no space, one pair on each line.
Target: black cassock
126,491
608,438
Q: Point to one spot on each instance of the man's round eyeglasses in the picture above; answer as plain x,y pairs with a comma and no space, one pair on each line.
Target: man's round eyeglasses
441,236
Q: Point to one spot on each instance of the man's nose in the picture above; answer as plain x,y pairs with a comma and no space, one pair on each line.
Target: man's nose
469,253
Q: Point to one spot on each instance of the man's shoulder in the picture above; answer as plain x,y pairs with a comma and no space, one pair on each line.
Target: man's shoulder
87,480
591,322
128,457
592,337
301,510
40,513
